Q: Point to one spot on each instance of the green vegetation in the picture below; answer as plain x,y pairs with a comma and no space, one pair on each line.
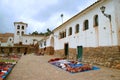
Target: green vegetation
7,60
47,33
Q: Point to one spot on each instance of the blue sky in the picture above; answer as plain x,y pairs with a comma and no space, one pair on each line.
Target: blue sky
39,14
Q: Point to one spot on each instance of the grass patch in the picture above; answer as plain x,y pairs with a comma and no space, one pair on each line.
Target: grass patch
7,60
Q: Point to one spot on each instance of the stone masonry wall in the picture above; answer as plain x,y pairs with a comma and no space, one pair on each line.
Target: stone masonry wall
48,50
71,55
15,50
104,56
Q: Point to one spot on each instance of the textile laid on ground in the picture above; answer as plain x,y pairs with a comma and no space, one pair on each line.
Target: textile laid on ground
71,66
7,64
5,69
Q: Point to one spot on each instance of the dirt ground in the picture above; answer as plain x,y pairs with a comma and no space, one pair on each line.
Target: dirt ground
32,67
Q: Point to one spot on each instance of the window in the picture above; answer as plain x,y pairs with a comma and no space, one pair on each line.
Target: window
41,44
10,39
44,43
62,34
22,32
70,31
26,41
77,28
65,33
86,25
18,33
95,21
20,43
18,27
22,27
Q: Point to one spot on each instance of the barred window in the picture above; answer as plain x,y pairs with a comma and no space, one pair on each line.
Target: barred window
77,28
70,31
95,21
86,25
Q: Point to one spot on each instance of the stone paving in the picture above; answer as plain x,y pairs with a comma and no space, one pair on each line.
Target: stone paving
32,67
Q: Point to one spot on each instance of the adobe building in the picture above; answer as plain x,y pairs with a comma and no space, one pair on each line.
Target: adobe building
19,41
6,39
21,37
92,35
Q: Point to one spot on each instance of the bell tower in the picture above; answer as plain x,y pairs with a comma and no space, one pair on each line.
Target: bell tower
20,30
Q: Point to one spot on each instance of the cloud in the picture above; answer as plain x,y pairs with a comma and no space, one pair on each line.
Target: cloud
59,7
86,4
39,14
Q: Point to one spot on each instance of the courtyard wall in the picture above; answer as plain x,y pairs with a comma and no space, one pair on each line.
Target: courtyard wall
16,50
103,56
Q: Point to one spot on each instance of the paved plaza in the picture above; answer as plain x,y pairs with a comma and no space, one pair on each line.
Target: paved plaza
32,67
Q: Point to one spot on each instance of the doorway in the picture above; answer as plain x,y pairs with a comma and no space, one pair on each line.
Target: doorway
66,49
79,53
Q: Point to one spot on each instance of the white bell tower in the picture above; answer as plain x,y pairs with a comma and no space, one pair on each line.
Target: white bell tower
20,30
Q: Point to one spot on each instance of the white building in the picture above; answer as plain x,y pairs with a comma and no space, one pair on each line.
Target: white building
20,36
93,34
95,31
20,30
6,39
91,28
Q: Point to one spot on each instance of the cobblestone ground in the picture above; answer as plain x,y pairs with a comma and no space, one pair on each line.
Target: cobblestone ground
31,67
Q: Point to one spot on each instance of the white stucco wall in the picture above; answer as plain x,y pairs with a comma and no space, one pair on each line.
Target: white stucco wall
88,38
117,18
45,42
17,38
8,43
27,40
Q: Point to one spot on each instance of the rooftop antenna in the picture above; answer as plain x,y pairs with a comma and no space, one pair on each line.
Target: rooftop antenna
62,17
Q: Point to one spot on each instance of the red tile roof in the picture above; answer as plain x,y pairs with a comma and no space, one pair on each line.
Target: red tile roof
4,37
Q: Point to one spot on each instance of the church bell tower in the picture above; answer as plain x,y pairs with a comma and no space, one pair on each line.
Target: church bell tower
20,30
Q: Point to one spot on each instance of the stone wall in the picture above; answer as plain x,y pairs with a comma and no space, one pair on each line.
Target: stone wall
59,53
47,50
104,56
71,55
16,50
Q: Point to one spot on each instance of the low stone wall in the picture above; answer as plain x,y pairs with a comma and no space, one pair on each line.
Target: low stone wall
71,55
48,50
59,53
15,50
104,56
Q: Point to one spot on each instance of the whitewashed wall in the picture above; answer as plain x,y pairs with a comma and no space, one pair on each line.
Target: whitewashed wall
18,38
88,38
47,41
27,40
8,42
117,18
